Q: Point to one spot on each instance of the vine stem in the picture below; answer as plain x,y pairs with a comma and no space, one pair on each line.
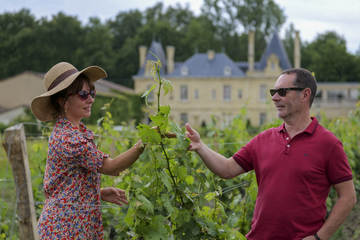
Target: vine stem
162,145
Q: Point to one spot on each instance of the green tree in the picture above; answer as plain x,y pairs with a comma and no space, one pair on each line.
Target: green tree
328,58
14,27
97,48
124,26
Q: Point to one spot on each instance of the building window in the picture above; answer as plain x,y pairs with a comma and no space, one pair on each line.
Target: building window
183,93
184,71
151,95
213,94
239,94
183,118
262,118
196,94
272,66
227,71
227,93
262,92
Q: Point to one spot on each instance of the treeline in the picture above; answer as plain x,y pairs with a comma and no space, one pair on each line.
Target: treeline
33,44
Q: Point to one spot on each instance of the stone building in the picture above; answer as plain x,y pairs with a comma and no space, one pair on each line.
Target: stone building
212,85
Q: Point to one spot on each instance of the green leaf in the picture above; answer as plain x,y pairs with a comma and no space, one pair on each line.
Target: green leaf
148,134
210,196
156,230
181,173
146,204
183,216
167,86
161,121
212,229
189,179
166,180
167,204
165,110
129,219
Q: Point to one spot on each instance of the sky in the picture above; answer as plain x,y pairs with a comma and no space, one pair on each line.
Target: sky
310,17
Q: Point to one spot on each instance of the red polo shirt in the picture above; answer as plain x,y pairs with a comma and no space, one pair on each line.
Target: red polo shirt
294,177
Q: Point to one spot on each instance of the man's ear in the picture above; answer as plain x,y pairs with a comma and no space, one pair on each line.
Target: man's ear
306,95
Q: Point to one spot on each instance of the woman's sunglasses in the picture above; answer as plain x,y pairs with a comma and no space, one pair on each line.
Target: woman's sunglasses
282,91
84,95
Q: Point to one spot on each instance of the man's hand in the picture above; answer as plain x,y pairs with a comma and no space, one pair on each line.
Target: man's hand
114,195
194,137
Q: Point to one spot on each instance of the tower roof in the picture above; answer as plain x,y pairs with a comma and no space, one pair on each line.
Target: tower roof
157,49
275,46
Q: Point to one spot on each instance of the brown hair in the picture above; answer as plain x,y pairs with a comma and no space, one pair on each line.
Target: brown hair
304,79
74,88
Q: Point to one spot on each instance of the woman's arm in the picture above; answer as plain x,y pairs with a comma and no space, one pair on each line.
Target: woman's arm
123,161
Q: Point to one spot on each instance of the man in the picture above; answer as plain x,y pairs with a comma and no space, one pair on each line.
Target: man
295,165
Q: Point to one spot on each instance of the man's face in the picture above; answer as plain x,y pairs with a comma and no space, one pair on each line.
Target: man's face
288,106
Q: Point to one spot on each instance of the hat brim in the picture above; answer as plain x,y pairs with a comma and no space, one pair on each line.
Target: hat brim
41,105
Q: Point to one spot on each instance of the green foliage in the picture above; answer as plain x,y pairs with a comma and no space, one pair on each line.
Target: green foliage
169,190
328,58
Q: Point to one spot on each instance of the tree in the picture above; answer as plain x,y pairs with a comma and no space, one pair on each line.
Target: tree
12,27
97,48
125,26
328,58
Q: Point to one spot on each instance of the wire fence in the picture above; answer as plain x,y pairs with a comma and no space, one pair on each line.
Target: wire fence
5,180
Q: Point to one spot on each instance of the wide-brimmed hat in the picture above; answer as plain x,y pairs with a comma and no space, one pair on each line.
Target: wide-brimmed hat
58,78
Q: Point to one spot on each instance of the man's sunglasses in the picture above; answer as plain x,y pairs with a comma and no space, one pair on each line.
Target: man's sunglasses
282,91
84,94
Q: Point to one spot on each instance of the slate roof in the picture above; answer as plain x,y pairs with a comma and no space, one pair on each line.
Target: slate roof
199,65
275,46
157,49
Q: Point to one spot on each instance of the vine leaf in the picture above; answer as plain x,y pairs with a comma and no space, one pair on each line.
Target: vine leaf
146,204
148,134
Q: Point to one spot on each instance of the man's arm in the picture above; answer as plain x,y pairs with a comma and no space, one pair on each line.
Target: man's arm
218,164
343,206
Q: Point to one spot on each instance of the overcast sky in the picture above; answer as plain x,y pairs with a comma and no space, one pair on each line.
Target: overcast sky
310,17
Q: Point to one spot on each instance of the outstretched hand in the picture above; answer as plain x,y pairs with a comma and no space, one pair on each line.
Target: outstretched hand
194,137
114,195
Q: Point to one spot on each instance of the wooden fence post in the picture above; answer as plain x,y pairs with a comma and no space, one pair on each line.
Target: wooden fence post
15,147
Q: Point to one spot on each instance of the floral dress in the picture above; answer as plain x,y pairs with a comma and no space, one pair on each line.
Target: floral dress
72,185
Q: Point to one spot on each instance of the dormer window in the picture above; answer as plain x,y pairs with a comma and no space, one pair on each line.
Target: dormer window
184,71
227,71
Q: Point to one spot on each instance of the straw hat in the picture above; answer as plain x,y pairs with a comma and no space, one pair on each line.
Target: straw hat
58,78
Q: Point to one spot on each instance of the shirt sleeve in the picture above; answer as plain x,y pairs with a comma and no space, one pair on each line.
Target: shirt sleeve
244,156
79,151
338,168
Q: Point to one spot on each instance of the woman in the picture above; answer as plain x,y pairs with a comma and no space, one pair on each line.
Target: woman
74,165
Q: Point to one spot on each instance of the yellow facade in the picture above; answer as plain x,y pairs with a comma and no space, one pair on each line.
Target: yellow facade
196,99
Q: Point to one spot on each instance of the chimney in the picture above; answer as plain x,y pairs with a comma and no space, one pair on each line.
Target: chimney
251,50
142,55
170,53
211,54
297,54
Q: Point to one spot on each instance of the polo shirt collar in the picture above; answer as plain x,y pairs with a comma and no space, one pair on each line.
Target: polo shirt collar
310,129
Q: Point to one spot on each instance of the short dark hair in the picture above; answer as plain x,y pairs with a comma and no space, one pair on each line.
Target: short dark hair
74,88
304,79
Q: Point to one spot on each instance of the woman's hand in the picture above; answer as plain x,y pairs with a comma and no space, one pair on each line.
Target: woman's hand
194,137
114,195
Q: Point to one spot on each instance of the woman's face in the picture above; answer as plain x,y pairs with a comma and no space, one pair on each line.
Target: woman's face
77,108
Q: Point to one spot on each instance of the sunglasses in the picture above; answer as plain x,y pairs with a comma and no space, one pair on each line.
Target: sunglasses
84,95
282,91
